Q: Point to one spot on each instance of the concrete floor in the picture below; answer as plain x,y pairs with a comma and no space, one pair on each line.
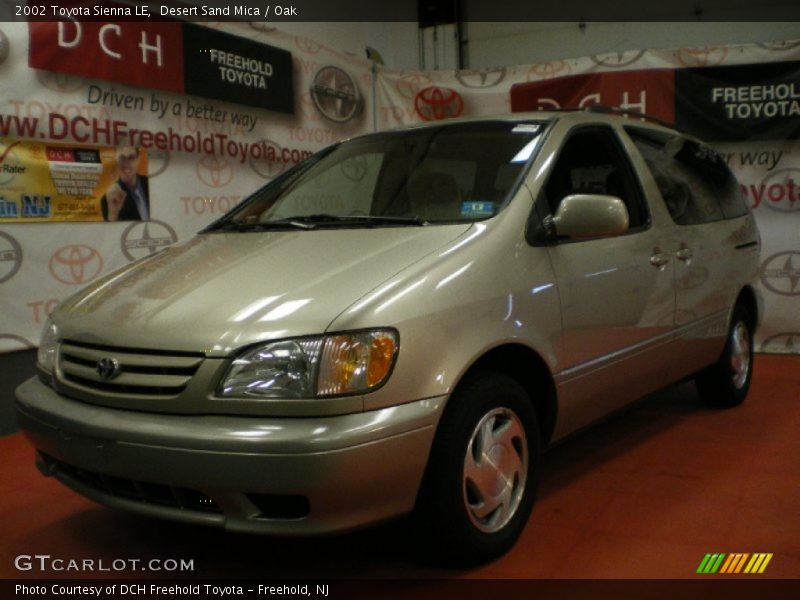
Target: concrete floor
645,494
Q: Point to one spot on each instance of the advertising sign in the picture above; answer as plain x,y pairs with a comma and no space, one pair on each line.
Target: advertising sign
167,55
46,182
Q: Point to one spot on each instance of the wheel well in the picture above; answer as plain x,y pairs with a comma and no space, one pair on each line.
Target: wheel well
747,299
530,371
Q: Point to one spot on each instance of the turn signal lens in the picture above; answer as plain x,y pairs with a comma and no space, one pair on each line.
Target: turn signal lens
356,362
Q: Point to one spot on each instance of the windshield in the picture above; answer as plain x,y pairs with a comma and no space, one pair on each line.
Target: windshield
454,173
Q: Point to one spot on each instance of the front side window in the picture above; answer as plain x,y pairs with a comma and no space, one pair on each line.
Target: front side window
454,173
592,162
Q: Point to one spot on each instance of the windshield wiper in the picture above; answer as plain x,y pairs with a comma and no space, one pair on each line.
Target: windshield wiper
242,226
368,220
313,221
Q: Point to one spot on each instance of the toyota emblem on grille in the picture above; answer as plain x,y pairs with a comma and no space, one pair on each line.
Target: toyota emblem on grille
108,368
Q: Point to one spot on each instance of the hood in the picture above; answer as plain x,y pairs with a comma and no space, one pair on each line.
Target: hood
221,291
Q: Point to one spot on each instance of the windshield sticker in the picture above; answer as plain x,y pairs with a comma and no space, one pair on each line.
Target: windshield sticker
477,209
526,128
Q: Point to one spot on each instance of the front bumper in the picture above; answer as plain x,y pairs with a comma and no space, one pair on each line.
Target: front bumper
240,473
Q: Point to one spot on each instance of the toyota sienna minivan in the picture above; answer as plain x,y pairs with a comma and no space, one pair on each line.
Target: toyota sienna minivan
399,326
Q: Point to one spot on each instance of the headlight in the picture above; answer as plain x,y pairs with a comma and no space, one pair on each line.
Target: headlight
347,363
46,356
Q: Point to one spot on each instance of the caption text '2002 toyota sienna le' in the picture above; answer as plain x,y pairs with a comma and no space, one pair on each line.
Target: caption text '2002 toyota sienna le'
400,325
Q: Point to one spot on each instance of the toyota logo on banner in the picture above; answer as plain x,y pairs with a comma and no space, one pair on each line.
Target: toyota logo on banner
481,78
437,103
10,342
75,264
336,95
780,273
269,169
784,343
144,238
214,172
10,257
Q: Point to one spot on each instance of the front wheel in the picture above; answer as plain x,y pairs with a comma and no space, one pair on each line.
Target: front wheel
726,383
479,487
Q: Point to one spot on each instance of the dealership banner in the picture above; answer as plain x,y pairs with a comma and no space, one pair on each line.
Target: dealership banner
46,182
744,99
200,152
171,55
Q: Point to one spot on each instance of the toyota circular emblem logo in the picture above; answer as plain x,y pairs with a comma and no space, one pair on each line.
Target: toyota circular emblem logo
780,273
336,95
10,257
616,60
108,368
780,190
481,78
436,103
144,238
157,162
214,172
75,264
782,343
269,169
59,82
11,342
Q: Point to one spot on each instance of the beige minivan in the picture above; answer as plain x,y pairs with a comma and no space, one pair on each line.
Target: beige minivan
399,326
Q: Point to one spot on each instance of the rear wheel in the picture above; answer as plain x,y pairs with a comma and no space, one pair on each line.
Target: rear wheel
726,383
479,487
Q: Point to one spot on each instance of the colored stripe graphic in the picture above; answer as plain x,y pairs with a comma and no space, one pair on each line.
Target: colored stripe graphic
710,563
736,563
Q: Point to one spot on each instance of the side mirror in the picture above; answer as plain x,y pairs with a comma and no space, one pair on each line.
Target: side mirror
590,215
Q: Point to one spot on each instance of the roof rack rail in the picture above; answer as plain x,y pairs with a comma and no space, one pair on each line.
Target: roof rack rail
609,110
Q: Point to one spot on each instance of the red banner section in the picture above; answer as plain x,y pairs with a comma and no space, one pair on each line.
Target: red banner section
649,92
167,55
140,54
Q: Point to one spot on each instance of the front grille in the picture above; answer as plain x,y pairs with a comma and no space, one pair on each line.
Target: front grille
140,372
129,489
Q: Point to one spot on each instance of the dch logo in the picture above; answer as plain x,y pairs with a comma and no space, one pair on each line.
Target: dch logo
10,257
336,95
143,238
75,264
780,273
481,78
436,103
214,172
782,343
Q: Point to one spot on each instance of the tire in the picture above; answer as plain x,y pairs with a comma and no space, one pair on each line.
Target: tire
726,383
470,511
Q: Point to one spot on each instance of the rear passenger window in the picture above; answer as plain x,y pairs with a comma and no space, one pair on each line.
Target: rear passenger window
695,183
